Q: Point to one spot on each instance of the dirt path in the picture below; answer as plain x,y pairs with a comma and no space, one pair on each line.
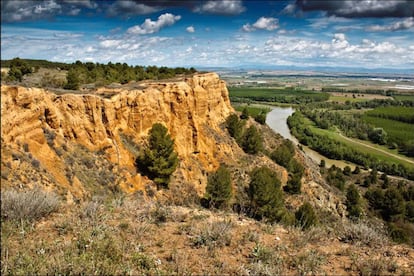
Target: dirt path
381,150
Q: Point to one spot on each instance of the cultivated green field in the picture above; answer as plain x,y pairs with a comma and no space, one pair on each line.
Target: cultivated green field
398,132
289,95
397,113
404,97
253,110
343,99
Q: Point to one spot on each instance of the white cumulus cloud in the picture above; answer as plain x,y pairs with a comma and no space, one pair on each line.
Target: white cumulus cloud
263,23
190,29
150,27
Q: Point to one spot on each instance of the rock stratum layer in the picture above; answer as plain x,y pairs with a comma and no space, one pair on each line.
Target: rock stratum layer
48,126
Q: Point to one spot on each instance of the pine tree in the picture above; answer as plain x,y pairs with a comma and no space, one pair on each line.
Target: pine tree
72,80
219,190
353,202
252,141
235,126
265,194
159,160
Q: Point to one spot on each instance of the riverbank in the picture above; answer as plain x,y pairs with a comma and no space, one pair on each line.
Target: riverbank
277,120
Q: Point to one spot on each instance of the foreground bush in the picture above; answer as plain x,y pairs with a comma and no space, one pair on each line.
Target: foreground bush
27,205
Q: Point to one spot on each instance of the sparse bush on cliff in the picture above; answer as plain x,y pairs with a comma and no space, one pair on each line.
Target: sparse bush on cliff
353,202
252,141
159,160
294,185
306,216
218,190
235,126
283,154
266,195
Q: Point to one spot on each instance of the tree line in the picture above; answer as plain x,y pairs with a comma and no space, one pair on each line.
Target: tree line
80,73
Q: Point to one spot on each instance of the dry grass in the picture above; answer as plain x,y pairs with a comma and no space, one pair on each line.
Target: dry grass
27,205
112,236
363,233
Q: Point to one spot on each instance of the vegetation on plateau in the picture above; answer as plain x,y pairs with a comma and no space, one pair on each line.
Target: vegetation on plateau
81,73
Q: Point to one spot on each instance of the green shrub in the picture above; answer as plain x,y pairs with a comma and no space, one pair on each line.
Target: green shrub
235,126
219,190
18,68
265,194
393,204
305,216
72,80
294,185
398,233
252,141
353,202
283,154
159,160
245,113
410,211
347,171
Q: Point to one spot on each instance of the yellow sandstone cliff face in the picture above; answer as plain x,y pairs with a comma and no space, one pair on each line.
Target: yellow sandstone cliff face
193,110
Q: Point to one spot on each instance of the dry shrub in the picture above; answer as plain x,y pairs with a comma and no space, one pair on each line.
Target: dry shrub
374,266
27,205
309,263
266,261
363,233
213,234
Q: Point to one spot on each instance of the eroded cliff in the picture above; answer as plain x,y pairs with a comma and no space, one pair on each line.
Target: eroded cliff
47,126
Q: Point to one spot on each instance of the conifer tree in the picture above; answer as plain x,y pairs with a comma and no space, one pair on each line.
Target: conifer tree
159,160
218,190
265,194
252,141
72,80
353,202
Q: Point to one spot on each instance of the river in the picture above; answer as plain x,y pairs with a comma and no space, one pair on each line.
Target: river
277,120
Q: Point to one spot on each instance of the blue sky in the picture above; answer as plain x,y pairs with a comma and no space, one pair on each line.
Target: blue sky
228,33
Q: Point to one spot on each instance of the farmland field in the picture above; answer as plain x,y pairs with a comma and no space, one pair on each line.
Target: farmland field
240,94
398,132
397,113
404,97
253,110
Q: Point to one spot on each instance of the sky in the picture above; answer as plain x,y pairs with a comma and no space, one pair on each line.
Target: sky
201,33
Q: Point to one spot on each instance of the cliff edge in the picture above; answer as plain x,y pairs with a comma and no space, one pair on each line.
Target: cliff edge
50,131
